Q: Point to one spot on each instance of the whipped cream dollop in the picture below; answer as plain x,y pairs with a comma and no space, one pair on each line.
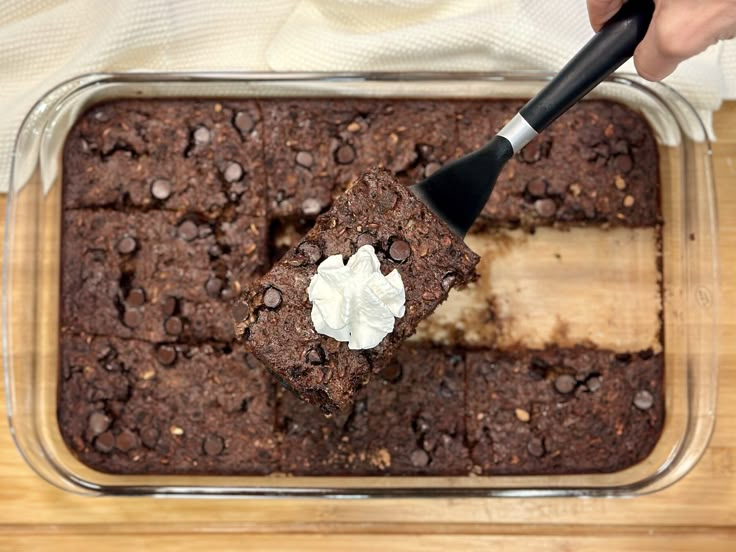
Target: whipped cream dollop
355,302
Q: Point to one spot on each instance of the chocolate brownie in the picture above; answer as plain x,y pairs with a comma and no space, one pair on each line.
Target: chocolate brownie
155,275
134,407
170,205
273,315
595,164
315,148
407,420
187,156
562,410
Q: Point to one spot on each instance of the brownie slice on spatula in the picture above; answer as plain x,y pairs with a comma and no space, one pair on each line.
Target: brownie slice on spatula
337,306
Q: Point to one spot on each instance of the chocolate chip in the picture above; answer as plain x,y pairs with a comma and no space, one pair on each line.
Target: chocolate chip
188,230
173,325
233,172
149,436
166,355
213,287
311,207
535,446
161,189
399,250
201,135
643,400
213,445
272,298
170,305
565,383
545,207
305,159
136,297
345,154
620,146
114,366
420,425
364,239
419,458
623,163
310,251
431,168
448,280
126,441
105,442
127,245
244,122
214,251
227,294
391,371
537,187
625,358
240,312
132,318
536,150
646,354
98,423
593,384
315,355
602,150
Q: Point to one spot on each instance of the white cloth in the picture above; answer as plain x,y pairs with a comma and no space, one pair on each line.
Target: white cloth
44,42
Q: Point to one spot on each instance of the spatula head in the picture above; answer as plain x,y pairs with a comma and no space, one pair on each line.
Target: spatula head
458,191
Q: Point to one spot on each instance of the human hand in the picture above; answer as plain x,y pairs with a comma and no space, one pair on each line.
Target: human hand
679,30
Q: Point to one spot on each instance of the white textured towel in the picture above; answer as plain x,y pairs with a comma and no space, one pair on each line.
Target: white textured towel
43,42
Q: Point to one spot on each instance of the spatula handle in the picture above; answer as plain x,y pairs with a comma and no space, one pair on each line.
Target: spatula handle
602,55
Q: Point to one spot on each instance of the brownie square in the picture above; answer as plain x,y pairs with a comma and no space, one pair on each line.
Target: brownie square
187,156
595,164
560,411
155,275
316,148
123,410
407,421
273,315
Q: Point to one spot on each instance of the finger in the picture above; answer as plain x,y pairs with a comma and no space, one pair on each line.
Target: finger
600,11
674,36
653,60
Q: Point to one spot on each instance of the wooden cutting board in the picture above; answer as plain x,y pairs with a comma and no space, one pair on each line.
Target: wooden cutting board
699,512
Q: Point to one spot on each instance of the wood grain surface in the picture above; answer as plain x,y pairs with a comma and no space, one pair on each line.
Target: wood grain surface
698,512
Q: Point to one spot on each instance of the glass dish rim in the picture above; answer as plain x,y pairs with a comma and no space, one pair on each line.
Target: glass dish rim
650,483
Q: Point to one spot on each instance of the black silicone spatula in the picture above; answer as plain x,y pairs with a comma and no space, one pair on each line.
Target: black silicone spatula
459,190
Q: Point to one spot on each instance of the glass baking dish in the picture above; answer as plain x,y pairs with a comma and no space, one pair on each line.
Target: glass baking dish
31,266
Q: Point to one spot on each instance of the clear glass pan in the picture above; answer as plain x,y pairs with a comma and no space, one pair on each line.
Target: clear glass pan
30,291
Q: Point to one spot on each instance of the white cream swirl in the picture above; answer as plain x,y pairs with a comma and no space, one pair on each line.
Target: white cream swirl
355,302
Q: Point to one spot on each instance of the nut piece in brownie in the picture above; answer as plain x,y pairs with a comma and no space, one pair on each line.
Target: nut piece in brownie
180,155
562,410
406,421
132,407
155,275
273,316
595,164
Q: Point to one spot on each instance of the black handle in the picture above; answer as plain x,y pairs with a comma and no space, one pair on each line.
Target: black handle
602,55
